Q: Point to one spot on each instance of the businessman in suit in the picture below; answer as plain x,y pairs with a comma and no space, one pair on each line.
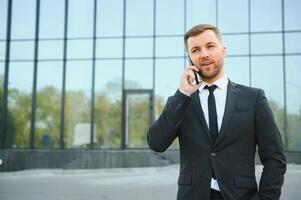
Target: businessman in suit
219,124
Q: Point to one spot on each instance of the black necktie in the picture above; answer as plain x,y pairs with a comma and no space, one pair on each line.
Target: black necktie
213,127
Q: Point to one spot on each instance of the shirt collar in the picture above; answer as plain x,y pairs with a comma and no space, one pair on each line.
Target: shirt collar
220,83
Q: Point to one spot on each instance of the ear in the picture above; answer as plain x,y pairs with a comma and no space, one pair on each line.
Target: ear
224,51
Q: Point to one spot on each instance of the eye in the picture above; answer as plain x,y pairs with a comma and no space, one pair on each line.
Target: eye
211,46
194,51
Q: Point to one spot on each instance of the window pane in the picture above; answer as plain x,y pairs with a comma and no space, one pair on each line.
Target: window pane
80,18
108,81
266,15
110,18
167,80
2,50
1,80
170,17
262,43
139,17
263,67
52,15
78,105
237,69
109,48
293,92
23,23
292,42
200,12
139,74
230,21
1,91
170,46
19,104
79,49
237,44
51,49
48,107
139,47
21,50
292,14
3,18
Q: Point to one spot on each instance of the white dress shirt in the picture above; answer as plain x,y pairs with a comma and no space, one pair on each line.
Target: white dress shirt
220,95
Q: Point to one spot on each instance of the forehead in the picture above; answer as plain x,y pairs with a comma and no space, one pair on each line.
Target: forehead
202,39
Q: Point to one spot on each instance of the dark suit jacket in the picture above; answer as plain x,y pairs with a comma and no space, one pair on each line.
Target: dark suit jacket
248,122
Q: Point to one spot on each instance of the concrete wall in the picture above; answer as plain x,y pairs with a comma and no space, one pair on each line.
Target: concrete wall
82,159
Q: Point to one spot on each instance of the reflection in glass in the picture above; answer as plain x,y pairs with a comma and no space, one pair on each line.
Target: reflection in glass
139,17
138,74
79,49
200,12
1,80
292,14
266,43
170,19
80,18
139,47
23,23
78,104
137,119
266,15
237,69
52,14
110,18
292,42
267,73
48,105
236,44
230,21
20,50
19,104
52,49
109,48
293,93
108,88
3,18
169,46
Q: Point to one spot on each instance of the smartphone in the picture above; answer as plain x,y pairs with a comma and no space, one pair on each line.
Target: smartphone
197,80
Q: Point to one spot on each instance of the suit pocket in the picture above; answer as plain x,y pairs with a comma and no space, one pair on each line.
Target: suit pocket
245,182
184,179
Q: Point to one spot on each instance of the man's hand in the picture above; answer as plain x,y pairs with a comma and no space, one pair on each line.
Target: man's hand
187,83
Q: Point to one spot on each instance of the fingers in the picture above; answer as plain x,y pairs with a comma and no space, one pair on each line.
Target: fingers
192,67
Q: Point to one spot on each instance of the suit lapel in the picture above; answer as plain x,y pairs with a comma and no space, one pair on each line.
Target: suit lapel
199,112
232,94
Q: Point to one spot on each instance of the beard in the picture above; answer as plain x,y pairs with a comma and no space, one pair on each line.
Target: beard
212,73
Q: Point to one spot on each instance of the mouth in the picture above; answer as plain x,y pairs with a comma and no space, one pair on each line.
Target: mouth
206,64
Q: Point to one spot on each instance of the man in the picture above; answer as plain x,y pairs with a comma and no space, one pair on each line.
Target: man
219,124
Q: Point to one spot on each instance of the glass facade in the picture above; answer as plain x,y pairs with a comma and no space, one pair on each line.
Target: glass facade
93,74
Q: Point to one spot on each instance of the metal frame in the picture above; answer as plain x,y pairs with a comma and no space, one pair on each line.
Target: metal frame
127,92
35,72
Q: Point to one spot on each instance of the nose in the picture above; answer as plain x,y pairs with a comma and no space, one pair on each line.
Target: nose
204,54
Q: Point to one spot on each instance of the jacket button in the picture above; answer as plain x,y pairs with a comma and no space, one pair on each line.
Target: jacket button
213,154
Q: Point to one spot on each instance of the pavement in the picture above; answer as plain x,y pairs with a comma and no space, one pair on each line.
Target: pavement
150,183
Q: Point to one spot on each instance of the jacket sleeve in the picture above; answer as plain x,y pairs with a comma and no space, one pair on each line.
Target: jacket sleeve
270,150
164,130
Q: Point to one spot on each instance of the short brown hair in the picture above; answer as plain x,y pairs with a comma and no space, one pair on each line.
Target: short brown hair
198,29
